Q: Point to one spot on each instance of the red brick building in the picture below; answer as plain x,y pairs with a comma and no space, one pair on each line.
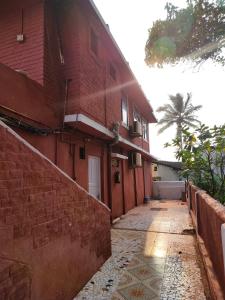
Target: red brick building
67,89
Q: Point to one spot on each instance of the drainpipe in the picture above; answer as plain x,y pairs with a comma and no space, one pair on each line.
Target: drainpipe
144,178
135,186
110,177
105,100
67,81
56,150
122,168
115,130
74,162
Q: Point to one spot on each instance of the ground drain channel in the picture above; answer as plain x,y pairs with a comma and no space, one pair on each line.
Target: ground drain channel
159,209
189,231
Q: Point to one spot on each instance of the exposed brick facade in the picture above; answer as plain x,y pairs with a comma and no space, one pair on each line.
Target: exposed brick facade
43,212
208,216
23,17
15,280
20,94
92,90
41,209
75,80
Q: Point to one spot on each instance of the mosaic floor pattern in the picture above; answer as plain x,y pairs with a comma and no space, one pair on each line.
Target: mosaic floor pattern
151,265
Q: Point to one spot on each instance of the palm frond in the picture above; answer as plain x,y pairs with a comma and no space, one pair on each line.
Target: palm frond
187,102
178,102
179,112
192,109
166,108
190,124
191,120
169,124
166,119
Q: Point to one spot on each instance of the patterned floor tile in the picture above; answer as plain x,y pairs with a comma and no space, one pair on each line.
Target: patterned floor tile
143,272
157,269
126,280
154,283
159,252
155,265
152,259
135,262
138,292
117,296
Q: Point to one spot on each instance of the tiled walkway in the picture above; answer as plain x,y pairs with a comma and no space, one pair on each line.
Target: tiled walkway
154,256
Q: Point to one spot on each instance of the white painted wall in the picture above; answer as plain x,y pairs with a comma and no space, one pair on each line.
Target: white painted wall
171,190
167,173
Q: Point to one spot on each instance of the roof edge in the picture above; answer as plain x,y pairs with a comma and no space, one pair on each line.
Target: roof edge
118,49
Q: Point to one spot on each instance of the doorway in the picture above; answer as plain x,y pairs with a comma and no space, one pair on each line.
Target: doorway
94,176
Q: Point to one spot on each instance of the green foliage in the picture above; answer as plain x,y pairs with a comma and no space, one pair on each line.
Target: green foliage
196,32
179,112
203,158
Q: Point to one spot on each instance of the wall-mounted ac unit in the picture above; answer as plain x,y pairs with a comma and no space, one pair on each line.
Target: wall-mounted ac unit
135,160
136,129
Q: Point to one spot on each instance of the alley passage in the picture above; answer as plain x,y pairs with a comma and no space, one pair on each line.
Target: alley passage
154,256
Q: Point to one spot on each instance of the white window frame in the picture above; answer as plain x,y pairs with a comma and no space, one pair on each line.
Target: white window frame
145,131
137,116
124,100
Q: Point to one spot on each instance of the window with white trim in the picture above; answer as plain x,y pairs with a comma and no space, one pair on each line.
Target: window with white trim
124,110
145,129
137,116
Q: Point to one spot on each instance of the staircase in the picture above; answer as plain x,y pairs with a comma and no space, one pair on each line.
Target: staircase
48,224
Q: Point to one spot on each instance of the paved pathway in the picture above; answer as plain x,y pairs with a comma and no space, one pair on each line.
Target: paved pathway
154,256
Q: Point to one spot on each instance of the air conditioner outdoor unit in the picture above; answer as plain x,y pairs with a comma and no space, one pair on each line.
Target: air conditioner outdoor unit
136,129
135,160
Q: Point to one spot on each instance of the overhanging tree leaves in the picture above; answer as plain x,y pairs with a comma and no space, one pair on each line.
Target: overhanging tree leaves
203,158
196,32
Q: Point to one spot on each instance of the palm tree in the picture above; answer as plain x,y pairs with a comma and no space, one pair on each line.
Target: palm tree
180,113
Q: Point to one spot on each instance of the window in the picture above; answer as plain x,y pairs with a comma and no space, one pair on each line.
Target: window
125,111
137,116
155,168
94,42
145,129
112,71
82,153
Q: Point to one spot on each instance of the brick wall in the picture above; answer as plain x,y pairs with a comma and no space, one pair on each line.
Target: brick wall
15,280
129,187
70,42
26,97
92,90
64,27
27,17
139,180
48,222
208,216
53,78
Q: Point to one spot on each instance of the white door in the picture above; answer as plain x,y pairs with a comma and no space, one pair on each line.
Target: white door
94,176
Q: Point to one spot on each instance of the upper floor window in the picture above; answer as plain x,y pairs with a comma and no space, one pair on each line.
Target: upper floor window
145,129
124,107
94,42
112,71
137,116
